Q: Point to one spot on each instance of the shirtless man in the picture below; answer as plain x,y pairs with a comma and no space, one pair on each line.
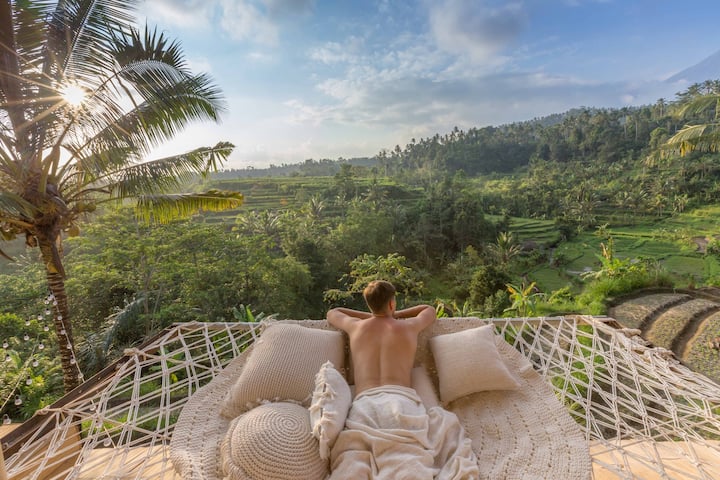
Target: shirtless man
382,342
389,434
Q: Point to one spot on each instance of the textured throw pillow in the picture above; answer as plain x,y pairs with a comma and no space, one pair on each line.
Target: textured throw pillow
423,385
274,441
283,365
329,408
468,361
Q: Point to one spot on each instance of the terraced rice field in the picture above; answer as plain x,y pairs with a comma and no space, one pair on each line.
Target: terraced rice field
702,357
540,231
670,325
684,323
636,312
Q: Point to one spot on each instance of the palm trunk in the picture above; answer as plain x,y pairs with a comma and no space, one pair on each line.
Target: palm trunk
61,319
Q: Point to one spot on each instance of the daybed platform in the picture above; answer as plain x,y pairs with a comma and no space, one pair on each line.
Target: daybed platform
636,412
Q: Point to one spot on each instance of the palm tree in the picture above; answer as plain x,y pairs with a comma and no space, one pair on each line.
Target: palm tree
702,137
505,249
524,298
84,97
315,207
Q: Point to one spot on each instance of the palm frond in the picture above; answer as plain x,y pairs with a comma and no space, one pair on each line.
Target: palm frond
162,174
169,207
8,165
13,206
151,73
170,106
134,47
698,105
123,320
692,138
13,87
77,29
161,116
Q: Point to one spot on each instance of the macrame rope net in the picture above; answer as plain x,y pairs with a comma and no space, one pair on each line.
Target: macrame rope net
644,415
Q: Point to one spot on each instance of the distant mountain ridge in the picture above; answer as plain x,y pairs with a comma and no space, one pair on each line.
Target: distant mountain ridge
309,168
705,69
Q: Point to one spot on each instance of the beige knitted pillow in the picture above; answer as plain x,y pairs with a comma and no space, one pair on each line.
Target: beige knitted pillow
331,402
468,361
272,441
283,365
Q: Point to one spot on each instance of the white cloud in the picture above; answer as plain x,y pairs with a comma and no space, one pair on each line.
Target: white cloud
259,57
181,13
284,8
199,64
244,21
334,52
476,28
256,21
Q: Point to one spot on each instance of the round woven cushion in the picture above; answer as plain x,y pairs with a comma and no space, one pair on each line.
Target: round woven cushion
272,441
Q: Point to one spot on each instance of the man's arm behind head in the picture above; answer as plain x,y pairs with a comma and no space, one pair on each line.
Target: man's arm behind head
343,318
421,316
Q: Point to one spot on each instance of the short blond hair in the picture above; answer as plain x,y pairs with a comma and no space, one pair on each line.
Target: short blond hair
378,294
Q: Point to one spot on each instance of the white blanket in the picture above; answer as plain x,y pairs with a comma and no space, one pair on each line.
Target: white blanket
389,435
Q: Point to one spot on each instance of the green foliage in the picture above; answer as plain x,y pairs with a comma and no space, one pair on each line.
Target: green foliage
367,268
596,293
617,276
452,309
505,248
28,373
589,363
494,305
447,220
486,281
433,229
524,299
459,273
612,266
245,314
60,159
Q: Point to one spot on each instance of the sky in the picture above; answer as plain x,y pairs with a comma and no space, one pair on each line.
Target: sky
314,79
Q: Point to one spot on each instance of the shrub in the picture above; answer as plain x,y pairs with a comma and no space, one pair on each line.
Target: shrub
485,282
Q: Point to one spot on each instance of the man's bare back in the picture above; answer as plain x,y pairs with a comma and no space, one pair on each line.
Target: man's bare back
383,342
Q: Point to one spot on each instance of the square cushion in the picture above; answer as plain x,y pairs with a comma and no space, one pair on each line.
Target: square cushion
282,366
468,362
331,402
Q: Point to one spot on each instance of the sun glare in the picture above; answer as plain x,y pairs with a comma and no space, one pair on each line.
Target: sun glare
73,94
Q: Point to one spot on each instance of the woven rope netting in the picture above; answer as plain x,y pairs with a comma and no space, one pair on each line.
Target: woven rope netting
644,414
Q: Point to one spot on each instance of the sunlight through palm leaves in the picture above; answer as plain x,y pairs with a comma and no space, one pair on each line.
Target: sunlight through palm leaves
84,98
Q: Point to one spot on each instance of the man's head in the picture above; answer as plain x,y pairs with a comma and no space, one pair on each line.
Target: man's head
380,297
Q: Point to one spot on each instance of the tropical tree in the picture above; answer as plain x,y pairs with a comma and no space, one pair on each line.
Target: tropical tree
366,268
505,249
524,299
702,104
84,98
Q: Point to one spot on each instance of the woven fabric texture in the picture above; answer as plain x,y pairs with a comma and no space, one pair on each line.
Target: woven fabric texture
524,433
468,362
194,447
520,434
272,441
283,366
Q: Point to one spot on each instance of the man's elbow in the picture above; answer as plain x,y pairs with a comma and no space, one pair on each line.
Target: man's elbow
333,317
430,315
